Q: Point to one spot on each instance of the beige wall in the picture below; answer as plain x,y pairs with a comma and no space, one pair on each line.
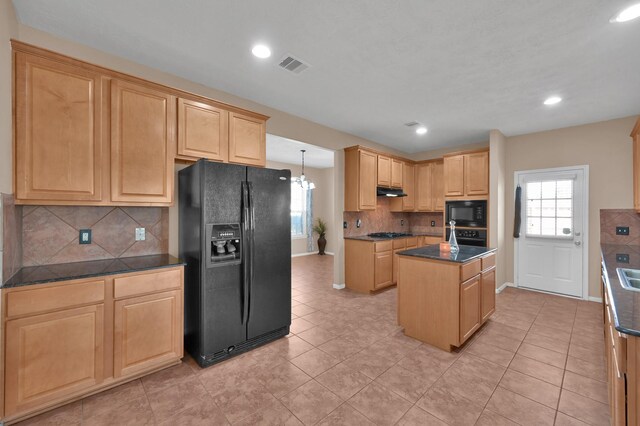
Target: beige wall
497,177
606,147
437,153
322,202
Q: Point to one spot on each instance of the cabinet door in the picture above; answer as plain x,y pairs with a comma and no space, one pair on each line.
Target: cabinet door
453,172
384,171
203,131
396,173
424,203
469,307
247,140
476,173
488,281
52,356
383,269
636,171
437,186
59,152
147,332
409,187
367,198
143,127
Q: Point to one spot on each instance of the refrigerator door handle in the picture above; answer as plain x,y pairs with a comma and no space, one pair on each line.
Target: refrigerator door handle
251,250
246,261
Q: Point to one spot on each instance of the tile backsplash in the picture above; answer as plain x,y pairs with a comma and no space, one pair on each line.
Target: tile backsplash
382,219
50,234
611,218
11,237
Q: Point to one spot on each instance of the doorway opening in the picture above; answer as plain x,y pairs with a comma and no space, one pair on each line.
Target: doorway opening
551,254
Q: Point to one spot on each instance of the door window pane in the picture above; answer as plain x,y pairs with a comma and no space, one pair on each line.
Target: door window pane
549,208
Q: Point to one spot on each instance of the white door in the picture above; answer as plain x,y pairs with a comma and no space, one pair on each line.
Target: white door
550,250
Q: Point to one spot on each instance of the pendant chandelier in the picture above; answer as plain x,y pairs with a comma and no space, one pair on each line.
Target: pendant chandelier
302,180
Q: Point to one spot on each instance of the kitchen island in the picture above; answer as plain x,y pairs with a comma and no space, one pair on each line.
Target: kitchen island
443,298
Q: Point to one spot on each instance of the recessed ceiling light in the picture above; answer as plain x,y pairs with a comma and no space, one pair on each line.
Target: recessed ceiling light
421,130
261,51
628,14
553,100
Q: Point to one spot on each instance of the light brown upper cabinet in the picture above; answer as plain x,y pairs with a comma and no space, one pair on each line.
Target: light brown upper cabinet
635,135
396,173
203,131
360,179
454,176
384,171
247,140
430,190
143,128
408,203
466,175
437,185
59,148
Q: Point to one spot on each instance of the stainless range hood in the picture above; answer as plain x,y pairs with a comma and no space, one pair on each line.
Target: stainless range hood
390,192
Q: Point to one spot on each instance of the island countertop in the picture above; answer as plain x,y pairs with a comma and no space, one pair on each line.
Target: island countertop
465,254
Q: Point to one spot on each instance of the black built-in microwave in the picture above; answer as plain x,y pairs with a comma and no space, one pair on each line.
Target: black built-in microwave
469,213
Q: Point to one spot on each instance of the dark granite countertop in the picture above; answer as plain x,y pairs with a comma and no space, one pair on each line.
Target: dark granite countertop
625,303
413,234
465,254
30,275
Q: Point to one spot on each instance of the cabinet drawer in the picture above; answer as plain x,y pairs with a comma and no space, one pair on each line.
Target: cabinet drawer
469,269
488,261
399,243
383,246
146,283
53,298
412,242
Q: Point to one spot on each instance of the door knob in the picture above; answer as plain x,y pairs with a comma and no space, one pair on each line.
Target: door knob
578,243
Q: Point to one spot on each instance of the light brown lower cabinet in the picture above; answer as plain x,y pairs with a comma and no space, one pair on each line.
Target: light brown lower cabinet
443,303
69,339
373,265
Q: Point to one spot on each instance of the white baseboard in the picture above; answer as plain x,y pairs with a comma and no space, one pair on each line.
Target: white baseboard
595,299
310,253
338,286
503,286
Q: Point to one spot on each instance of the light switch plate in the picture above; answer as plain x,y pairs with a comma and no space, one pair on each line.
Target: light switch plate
85,236
433,223
140,234
622,230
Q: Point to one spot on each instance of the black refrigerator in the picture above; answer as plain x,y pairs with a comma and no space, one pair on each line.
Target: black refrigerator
235,237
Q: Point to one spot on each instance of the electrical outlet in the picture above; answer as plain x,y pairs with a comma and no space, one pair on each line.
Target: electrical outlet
622,230
140,234
401,222
433,223
85,236
344,224
358,223
622,258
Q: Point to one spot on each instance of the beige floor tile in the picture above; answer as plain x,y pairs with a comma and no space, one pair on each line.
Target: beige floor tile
343,380
491,353
418,417
587,369
112,398
299,325
311,402
316,336
543,355
585,386
379,404
520,409
273,414
369,363
315,362
449,407
405,383
532,388
473,378
345,415
489,337
564,420
537,369
168,377
282,378
489,418
204,414
174,399
583,408
551,343
70,414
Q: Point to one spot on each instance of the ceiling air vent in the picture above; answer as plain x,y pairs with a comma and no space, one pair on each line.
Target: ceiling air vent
292,64
411,123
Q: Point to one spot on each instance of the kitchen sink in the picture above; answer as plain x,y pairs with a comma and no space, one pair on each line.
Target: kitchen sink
630,278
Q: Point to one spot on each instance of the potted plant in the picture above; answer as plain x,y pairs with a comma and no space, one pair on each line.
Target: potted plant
320,228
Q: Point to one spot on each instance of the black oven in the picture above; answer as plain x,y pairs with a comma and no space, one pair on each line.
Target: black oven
470,237
467,213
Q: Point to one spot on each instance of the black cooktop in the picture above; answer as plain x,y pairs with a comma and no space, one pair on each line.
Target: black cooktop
388,235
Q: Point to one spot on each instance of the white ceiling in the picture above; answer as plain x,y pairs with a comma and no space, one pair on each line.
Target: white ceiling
287,151
460,67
